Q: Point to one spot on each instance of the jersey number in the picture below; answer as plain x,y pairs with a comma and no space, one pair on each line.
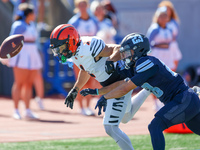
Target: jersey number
155,90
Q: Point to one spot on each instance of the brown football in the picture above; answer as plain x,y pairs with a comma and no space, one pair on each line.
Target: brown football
11,46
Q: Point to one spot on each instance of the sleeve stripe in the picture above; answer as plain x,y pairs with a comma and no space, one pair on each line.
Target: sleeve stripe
144,66
94,48
97,48
91,48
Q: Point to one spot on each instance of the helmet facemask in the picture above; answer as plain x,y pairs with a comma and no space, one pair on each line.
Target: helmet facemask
62,51
128,57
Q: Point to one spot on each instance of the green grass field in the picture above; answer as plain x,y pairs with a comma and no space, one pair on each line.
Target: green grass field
140,142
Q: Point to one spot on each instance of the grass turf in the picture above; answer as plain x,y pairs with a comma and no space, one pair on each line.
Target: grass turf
140,142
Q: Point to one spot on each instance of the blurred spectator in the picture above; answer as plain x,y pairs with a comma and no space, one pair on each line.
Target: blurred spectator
173,24
39,89
111,13
106,30
38,11
86,25
16,4
27,63
160,38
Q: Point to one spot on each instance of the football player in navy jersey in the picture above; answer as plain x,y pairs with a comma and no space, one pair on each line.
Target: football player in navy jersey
181,103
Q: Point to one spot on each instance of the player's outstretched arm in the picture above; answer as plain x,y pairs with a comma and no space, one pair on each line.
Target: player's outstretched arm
101,91
119,91
111,51
82,79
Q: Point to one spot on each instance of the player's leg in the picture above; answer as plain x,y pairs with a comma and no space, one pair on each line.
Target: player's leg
156,128
181,108
136,102
194,124
157,103
113,115
119,136
164,118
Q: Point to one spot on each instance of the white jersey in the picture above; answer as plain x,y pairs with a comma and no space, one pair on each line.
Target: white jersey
85,55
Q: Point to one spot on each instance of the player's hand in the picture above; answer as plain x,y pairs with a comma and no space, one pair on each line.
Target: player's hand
196,89
102,102
109,67
69,100
88,91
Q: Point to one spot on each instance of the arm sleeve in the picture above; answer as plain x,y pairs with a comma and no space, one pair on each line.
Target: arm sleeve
97,45
144,70
151,34
74,21
18,28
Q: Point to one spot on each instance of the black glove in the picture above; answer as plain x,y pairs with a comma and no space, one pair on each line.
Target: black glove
102,102
88,91
109,67
69,100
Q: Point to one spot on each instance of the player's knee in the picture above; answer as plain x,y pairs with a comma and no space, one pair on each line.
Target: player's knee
153,127
156,125
111,130
108,129
125,120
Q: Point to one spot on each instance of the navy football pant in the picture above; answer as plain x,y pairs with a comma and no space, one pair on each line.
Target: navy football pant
184,108
194,124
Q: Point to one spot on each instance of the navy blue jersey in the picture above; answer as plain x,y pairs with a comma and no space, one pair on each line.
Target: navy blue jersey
153,75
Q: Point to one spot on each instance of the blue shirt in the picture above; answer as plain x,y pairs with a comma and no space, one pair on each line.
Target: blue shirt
85,27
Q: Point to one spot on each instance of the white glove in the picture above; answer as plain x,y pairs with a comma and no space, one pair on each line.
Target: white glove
196,89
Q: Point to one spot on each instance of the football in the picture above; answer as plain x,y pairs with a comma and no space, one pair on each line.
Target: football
11,46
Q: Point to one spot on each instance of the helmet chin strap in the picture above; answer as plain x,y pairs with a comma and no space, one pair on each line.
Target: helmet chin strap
127,61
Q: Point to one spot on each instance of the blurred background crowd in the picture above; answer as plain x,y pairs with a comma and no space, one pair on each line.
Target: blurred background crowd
173,28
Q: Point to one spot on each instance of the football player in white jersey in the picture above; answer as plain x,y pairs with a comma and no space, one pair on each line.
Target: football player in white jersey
91,55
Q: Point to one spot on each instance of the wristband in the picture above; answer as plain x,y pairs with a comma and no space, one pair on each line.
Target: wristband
97,90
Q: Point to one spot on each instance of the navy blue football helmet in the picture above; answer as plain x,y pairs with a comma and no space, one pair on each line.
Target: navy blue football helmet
133,47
